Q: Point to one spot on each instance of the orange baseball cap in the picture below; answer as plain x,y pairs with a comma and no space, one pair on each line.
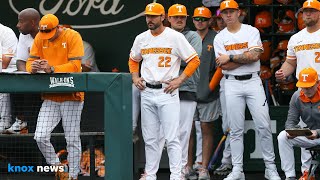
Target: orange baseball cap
308,77
228,4
154,9
47,26
177,10
312,4
202,12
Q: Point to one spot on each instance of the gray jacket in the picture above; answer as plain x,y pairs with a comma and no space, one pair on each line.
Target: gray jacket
192,82
309,113
207,69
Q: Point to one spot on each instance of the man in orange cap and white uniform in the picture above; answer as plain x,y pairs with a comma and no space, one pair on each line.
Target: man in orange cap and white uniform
58,50
303,51
161,51
304,105
240,44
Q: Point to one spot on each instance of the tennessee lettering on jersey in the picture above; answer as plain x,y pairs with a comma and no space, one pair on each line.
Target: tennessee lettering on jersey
236,46
156,51
304,47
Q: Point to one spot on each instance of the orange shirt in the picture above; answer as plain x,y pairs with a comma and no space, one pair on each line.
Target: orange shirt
64,54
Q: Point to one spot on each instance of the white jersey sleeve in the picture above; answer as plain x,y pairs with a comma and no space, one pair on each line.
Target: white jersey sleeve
254,40
184,50
291,55
9,41
135,53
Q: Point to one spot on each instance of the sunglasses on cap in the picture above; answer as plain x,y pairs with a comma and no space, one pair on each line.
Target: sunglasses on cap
46,30
202,19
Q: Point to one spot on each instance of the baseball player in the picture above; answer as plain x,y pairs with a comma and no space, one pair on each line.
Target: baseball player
304,105
8,44
241,43
25,106
56,49
177,16
208,105
303,50
161,50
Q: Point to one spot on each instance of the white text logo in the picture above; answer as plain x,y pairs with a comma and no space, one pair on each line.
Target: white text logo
84,7
61,81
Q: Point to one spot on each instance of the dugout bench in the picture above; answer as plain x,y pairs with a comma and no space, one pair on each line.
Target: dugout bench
116,89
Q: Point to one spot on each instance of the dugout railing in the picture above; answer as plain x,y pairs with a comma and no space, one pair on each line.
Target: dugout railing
116,89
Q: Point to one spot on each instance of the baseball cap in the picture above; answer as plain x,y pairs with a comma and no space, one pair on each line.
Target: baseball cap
228,4
47,26
308,77
202,12
177,10
312,4
154,9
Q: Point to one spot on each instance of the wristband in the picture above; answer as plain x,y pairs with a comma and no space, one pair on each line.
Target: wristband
52,69
231,58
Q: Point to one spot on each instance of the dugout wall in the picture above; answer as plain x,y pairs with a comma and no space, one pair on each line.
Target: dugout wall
116,89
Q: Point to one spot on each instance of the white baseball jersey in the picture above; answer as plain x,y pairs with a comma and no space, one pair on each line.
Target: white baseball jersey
8,43
89,57
161,54
24,46
305,47
246,39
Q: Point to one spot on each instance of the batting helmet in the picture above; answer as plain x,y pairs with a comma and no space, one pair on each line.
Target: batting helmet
265,56
263,21
274,63
284,1
265,72
285,21
287,86
283,45
262,2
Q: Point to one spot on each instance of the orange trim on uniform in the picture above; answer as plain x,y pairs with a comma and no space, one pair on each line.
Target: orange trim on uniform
190,57
192,66
215,81
255,47
291,57
133,66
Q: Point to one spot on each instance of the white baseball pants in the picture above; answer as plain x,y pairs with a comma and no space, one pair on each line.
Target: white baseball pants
49,116
5,107
287,153
197,125
187,109
251,93
161,109
226,158
136,100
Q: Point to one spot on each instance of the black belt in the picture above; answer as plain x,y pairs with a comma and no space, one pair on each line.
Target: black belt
240,78
154,86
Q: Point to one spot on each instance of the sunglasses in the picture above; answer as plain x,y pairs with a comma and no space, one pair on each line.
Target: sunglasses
202,19
46,30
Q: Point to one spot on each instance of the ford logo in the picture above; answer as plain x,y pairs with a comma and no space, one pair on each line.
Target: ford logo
112,11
